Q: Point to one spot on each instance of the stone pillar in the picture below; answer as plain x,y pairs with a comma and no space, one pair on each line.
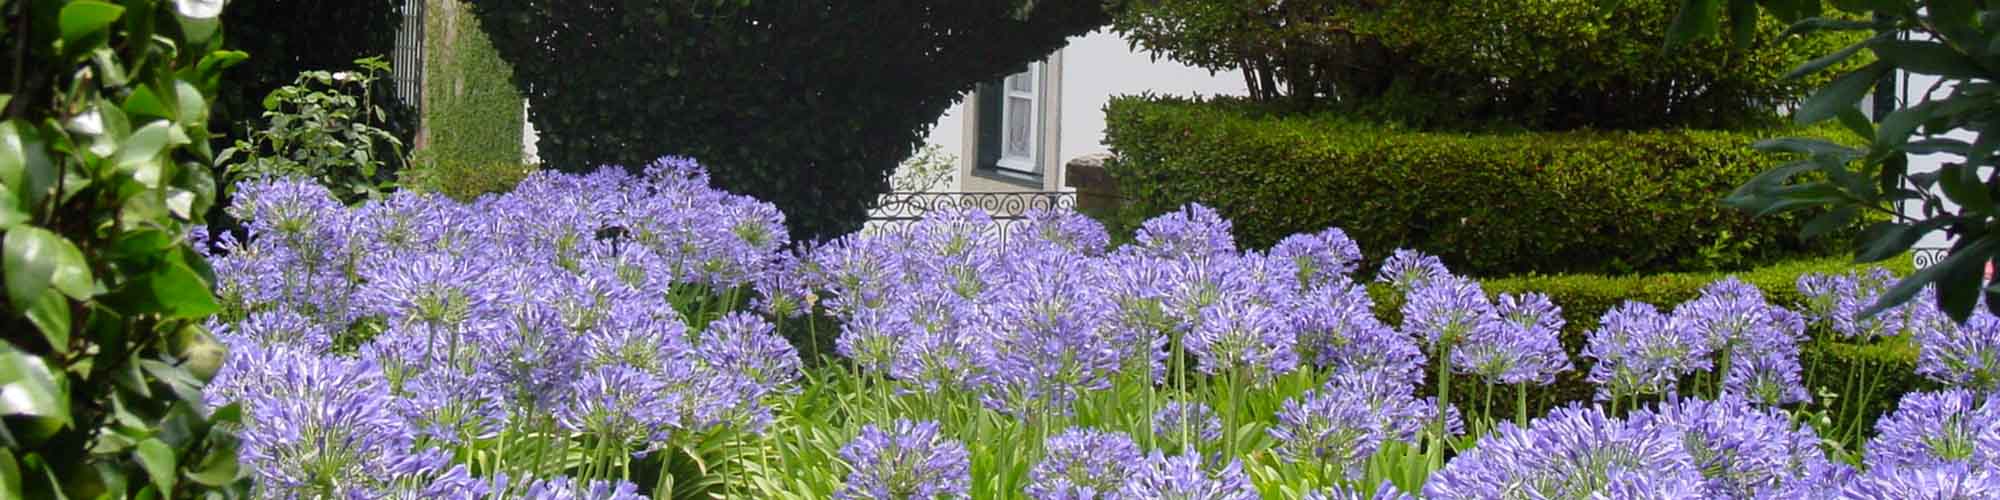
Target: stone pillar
1096,192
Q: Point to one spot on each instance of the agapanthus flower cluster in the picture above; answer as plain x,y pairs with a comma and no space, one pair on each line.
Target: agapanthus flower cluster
1931,428
1740,449
1190,424
446,322
1083,464
1194,232
1640,351
1338,330
1188,475
1521,343
1966,355
908,460
1841,300
1344,423
1754,343
1573,452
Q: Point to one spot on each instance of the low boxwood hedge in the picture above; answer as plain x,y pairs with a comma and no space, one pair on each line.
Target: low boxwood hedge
1488,204
1585,298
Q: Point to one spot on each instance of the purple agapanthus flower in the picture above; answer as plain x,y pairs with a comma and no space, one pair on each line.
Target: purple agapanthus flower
1337,329
747,345
1966,356
1640,351
1522,346
1319,258
909,460
1947,481
1188,476
567,488
1840,301
1067,229
1573,452
1738,448
1343,424
1083,464
1194,420
323,427
1408,270
1928,428
1446,311
1193,232
1384,491
620,402
1238,336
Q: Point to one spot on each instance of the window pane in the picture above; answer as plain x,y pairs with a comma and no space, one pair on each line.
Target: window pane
1021,82
1020,117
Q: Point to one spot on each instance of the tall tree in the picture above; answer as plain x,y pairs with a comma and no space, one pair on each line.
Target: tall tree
808,104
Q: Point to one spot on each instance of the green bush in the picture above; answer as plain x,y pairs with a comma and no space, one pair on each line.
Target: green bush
1538,64
104,174
1604,202
472,113
464,181
1585,298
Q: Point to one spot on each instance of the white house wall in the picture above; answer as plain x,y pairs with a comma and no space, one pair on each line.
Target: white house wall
1100,65
1092,69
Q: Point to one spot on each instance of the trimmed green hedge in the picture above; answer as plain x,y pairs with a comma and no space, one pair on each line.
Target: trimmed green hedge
1585,298
1495,204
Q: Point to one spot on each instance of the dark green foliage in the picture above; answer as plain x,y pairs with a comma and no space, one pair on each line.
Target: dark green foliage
472,114
1951,40
322,127
809,105
1487,204
1585,298
104,169
288,37
1536,64
464,181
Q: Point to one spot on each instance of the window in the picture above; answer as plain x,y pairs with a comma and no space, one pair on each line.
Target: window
1018,108
1011,123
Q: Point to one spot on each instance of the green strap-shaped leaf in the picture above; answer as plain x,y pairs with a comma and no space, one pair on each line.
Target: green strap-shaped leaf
28,387
1844,92
1928,58
82,18
1696,18
10,474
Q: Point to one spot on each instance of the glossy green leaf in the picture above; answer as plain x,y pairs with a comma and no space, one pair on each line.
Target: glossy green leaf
219,467
1900,124
82,18
158,460
193,106
180,292
1844,92
12,211
1884,240
10,475
1742,23
32,389
144,103
51,315
140,155
37,259
1857,122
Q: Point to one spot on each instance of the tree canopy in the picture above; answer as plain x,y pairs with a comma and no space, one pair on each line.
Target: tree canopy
808,104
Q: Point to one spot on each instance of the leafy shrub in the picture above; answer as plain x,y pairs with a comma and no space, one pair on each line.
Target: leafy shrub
323,127
104,172
296,36
472,114
809,105
464,181
1540,64
1488,204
